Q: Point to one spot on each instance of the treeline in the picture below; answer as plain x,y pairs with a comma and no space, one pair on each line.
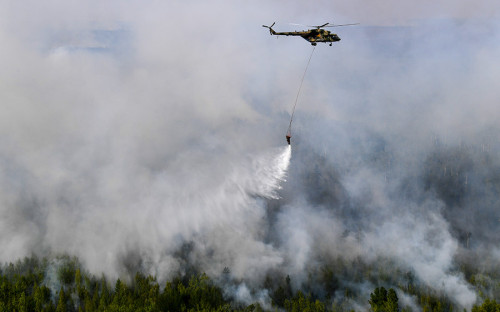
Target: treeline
23,288
61,285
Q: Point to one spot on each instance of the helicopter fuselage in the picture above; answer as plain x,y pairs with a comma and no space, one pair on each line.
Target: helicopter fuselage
311,35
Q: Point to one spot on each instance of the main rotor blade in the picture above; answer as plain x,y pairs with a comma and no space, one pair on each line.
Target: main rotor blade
315,26
318,26
324,25
341,25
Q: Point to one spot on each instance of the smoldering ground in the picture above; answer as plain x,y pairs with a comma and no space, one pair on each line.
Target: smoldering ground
138,141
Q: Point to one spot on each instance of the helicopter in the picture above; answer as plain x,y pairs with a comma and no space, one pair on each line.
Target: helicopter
315,35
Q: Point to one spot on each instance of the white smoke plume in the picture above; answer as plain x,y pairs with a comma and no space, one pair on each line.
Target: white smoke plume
147,135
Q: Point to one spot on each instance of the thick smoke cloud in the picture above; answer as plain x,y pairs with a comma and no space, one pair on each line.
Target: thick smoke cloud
147,136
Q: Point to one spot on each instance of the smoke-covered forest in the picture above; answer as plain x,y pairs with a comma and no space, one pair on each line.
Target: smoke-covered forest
143,161
60,284
338,280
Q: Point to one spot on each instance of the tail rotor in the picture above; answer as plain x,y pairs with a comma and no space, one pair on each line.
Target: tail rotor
271,31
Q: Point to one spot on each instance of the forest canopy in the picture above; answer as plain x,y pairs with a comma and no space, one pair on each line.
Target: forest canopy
61,284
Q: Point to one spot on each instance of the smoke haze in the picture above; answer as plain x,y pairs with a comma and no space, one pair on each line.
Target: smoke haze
150,136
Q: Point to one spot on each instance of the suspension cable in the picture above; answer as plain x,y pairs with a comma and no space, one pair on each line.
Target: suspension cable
289,132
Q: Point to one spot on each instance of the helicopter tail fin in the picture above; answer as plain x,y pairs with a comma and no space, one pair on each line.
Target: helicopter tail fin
271,31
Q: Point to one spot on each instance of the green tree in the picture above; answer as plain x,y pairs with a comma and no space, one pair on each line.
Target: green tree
300,303
104,297
378,299
391,304
88,303
382,300
67,271
61,303
487,306
21,303
38,298
170,299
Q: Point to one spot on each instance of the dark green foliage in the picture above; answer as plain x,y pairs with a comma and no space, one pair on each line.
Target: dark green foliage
198,294
487,306
61,303
282,291
23,288
392,301
382,300
81,292
67,271
378,298
300,302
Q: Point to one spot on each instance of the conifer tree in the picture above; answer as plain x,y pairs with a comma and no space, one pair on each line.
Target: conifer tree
61,303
